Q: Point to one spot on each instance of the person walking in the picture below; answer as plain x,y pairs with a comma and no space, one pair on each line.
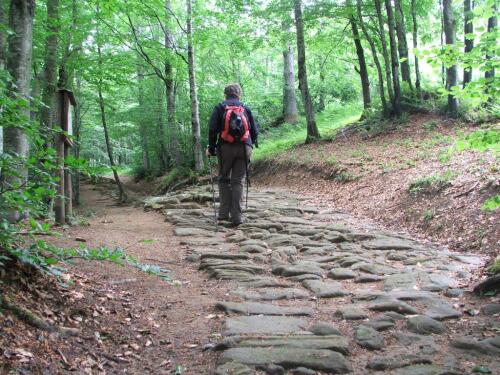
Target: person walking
231,136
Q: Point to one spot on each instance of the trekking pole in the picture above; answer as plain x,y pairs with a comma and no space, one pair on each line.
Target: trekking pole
213,193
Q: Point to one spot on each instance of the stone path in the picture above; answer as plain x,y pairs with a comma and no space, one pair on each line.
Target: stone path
317,294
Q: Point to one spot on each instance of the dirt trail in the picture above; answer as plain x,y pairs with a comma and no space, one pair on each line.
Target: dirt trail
155,326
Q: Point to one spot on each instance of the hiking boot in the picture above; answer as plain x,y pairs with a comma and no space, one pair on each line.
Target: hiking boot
222,218
236,223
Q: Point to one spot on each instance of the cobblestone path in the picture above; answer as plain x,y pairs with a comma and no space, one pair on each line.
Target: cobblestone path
318,294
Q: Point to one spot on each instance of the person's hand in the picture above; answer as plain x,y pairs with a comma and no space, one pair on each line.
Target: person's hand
210,151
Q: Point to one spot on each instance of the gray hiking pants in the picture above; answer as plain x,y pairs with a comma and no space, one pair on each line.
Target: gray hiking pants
232,175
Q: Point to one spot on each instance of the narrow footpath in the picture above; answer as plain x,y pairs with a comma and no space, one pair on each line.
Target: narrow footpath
314,293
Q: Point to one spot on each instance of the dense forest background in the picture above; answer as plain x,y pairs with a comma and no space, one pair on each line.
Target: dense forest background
147,75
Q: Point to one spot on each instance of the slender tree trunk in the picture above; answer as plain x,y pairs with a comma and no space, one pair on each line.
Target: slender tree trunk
3,56
468,39
290,113
415,45
441,8
452,71
195,116
170,91
385,53
21,13
492,25
142,123
122,196
375,59
78,130
162,149
312,130
49,85
402,44
321,100
363,70
394,59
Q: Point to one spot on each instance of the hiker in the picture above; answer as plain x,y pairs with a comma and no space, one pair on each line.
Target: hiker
231,136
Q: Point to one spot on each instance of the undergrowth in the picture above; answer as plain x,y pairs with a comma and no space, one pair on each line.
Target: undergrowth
431,184
492,204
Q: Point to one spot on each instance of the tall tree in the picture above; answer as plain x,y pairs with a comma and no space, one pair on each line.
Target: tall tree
415,44
195,115
402,43
146,164
468,38
290,113
3,34
394,59
452,70
363,70
385,53
373,49
312,129
492,26
21,13
122,197
49,85
441,12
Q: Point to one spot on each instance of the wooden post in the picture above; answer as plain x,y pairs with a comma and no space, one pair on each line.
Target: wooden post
59,206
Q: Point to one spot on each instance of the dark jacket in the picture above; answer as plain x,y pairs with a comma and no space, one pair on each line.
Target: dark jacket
216,124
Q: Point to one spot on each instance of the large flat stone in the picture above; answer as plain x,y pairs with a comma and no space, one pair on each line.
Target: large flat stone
300,269
234,368
262,324
388,243
442,311
392,305
369,338
325,289
271,294
192,232
320,360
341,274
392,362
424,325
400,280
255,308
351,312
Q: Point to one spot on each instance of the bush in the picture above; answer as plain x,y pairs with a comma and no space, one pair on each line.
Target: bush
430,184
491,204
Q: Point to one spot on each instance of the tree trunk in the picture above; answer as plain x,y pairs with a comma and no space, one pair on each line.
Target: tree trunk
452,71
290,113
442,39
195,116
375,59
77,145
468,40
122,197
402,44
170,91
492,25
385,53
21,13
162,149
363,70
3,35
142,124
394,59
415,45
49,85
312,130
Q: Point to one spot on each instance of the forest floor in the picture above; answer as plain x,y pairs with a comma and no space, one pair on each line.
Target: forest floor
281,268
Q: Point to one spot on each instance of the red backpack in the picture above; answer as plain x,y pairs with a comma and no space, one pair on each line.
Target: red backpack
236,127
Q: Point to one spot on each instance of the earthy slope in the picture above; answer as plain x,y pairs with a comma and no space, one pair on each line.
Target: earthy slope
370,176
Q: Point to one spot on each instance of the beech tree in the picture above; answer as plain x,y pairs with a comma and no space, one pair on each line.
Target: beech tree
452,69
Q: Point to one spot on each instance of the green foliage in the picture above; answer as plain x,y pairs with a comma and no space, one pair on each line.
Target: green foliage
495,267
491,204
482,140
431,125
431,184
428,215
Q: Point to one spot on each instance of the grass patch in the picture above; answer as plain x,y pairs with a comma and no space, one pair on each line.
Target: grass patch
431,184
277,140
491,204
495,267
482,140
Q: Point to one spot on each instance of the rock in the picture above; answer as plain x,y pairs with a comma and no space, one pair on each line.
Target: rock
368,338
400,280
271,369
424,325
377,269
324,329
366,278
392,305
271,294
255,308
388,243
380,324
253,249
491,309
304,277
223,256
420,370
341,274
234,368
258,324
321,360
351,313
454,293
302,371
336,343
392,362
442,311
192,232
325,289
393,315
300,269
471,344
